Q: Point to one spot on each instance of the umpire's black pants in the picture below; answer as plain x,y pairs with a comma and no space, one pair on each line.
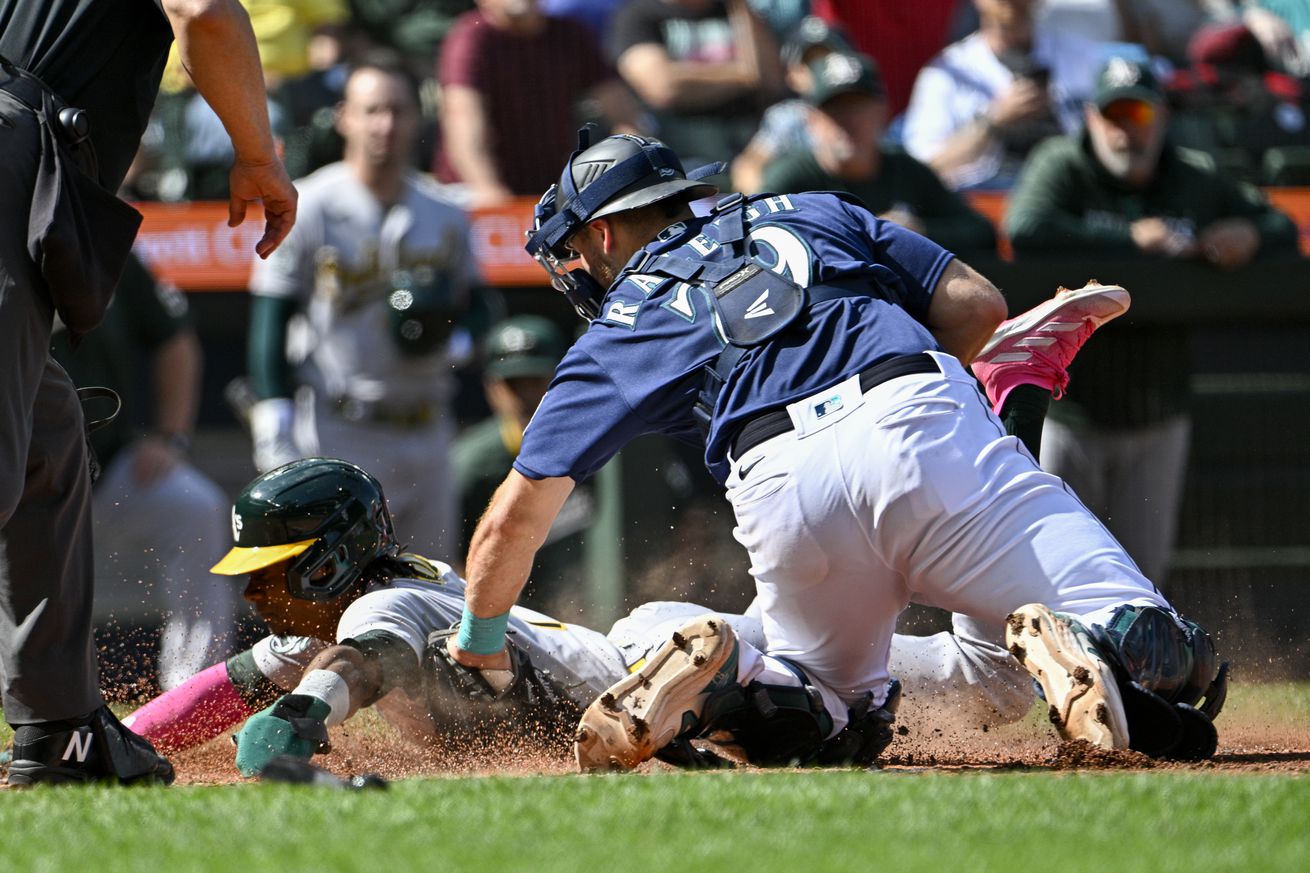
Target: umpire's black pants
47,656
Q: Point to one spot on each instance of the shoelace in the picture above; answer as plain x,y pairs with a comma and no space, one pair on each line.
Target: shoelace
1035,349
1059,368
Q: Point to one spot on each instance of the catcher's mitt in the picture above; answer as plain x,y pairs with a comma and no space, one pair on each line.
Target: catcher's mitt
485,686
523,696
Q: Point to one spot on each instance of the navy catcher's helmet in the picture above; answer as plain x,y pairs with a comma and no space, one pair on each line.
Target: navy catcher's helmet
328,516
619,173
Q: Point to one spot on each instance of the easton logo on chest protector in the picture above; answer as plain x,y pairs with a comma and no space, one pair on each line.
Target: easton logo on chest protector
760,307
754,303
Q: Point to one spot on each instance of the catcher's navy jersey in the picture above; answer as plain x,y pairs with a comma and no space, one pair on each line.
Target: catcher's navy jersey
638,368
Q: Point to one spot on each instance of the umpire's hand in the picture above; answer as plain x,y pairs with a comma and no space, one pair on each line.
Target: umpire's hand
249,182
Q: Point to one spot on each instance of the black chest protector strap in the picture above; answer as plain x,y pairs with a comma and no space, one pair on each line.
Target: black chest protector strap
751,303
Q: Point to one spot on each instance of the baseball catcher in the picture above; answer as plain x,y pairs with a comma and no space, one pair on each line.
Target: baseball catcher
818,354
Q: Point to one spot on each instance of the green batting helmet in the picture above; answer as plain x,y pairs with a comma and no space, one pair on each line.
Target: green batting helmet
328,516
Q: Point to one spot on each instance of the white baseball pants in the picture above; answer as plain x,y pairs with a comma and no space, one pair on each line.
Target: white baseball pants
909,491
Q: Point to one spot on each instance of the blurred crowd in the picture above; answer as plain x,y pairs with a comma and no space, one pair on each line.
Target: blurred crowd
967,88
1138,127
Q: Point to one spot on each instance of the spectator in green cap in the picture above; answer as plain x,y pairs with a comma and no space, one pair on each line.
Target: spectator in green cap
846,127
1120,436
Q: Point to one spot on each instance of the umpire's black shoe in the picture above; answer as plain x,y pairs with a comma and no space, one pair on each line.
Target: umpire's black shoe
97,750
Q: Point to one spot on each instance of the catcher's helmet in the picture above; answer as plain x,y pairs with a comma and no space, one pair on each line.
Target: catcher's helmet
327,515
618,173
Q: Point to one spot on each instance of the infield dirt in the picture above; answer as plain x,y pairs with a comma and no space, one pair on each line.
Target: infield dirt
1251,740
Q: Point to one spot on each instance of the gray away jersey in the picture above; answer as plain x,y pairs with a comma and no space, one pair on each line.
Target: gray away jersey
580,659
339,262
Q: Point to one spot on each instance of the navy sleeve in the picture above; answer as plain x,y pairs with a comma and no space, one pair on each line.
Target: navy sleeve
581,423
635,371
916,261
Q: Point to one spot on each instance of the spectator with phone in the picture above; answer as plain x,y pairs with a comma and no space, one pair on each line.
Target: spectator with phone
984,102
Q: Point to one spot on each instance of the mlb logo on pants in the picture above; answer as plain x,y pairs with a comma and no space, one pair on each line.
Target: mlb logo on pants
827,407
823,409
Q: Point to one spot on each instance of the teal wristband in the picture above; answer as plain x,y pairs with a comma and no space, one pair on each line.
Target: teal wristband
482,636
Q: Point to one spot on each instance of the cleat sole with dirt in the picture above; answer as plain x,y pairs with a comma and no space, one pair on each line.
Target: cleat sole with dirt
642,713
1079,685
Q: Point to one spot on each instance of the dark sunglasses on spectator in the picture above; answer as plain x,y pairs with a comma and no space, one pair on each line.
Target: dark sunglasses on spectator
1137,113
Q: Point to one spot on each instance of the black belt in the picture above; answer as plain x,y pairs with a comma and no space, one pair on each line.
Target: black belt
768,425
71,124
28,87
416,415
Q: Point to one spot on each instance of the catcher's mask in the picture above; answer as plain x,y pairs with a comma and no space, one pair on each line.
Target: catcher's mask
328,516
619,173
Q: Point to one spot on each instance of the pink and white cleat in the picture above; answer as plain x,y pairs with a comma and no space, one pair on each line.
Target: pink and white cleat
1037,346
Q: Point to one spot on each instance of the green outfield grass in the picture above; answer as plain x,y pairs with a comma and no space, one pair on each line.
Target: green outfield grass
961,822
839,821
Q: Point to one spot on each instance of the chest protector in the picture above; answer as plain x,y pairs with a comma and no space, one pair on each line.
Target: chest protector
751,304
